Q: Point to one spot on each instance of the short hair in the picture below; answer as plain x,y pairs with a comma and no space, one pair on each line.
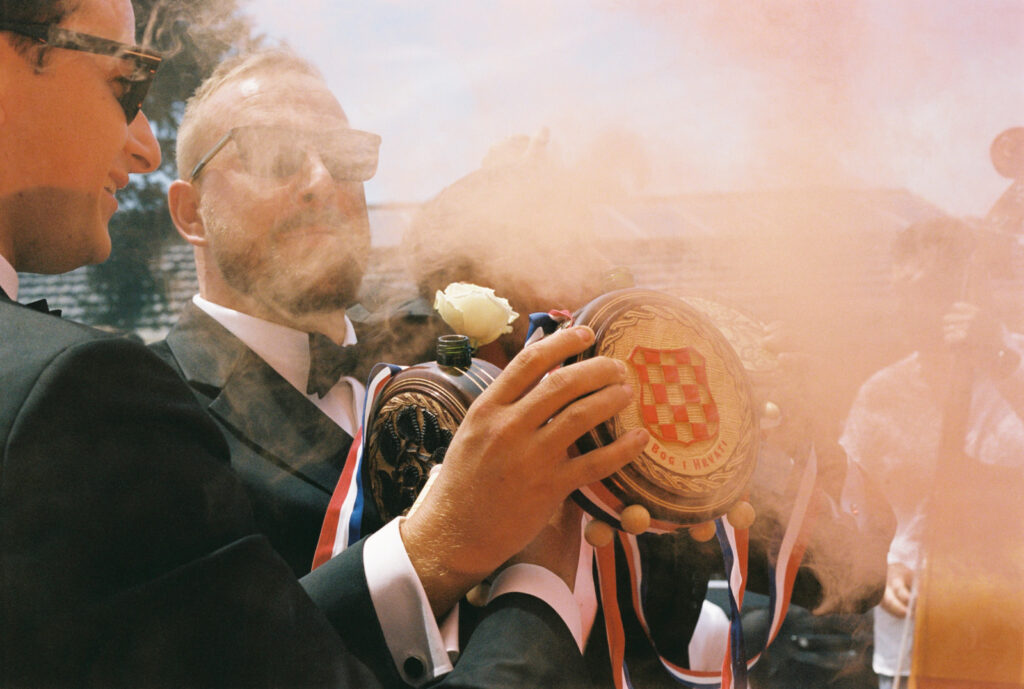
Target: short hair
34,12
280,58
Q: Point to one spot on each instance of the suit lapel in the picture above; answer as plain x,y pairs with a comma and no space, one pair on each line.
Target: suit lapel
259,407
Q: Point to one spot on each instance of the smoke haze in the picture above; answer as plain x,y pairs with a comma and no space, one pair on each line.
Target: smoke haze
788,106
731,95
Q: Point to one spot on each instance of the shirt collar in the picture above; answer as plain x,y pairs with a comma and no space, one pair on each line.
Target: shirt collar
8,279
285,349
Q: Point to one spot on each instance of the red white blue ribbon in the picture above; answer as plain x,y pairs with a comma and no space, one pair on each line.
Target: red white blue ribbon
343,524
734,545
597,500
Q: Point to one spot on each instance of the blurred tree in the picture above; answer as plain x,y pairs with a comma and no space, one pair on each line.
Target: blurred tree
194,36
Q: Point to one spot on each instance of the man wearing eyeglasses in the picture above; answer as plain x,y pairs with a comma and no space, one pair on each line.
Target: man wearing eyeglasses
273,206
271,199
128,554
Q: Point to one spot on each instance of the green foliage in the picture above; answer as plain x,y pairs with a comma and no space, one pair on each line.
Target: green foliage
194,36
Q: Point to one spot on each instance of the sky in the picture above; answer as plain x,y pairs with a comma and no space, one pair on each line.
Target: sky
678,96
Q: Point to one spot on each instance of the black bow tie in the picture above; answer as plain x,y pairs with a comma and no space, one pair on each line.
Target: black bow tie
328,362
41,306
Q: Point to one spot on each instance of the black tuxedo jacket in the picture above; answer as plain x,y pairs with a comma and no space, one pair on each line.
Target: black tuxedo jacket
287,452
129,556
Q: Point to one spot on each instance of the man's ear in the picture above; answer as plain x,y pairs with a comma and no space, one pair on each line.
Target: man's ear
183,203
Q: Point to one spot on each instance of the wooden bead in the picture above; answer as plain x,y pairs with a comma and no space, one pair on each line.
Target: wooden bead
635,519
477,595
598,533
771,416
741,515
703,532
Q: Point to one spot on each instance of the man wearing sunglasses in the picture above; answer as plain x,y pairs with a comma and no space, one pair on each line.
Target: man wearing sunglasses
128,554
271,199
273,205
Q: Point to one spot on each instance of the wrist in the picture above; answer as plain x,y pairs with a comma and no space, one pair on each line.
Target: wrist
436,558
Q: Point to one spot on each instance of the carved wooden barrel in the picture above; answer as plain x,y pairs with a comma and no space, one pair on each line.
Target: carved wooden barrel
692,395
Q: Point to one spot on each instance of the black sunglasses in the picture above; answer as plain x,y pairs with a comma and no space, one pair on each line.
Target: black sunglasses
349,155
141,65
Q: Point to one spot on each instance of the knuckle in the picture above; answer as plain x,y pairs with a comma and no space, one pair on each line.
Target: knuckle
481,406
580,417
504,432
575,416
530,356
604,368
560,378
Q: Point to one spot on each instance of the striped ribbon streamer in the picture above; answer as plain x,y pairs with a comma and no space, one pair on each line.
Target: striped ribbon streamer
734,544
343,523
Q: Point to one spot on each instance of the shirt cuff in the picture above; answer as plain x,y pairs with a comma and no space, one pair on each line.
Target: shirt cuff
450,634
419,650
546,585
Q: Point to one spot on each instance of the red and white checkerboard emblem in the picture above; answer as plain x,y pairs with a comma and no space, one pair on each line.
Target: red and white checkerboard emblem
675,400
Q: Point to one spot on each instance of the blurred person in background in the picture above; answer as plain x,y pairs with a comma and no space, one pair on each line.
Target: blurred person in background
521,225
896,424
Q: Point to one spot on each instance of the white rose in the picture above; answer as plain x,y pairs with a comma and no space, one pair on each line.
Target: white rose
475,311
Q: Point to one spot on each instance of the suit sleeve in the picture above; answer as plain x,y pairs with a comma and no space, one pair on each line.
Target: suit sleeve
129,555
519,641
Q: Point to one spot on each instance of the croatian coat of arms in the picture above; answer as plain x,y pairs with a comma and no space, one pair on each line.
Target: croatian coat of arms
675,400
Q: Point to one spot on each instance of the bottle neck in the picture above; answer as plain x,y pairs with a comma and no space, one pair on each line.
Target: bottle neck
454,350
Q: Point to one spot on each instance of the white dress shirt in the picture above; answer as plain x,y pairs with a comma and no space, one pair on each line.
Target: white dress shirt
395,590
286,350
8,278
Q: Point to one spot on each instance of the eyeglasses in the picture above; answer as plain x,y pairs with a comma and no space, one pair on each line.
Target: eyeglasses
280,152
139,64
